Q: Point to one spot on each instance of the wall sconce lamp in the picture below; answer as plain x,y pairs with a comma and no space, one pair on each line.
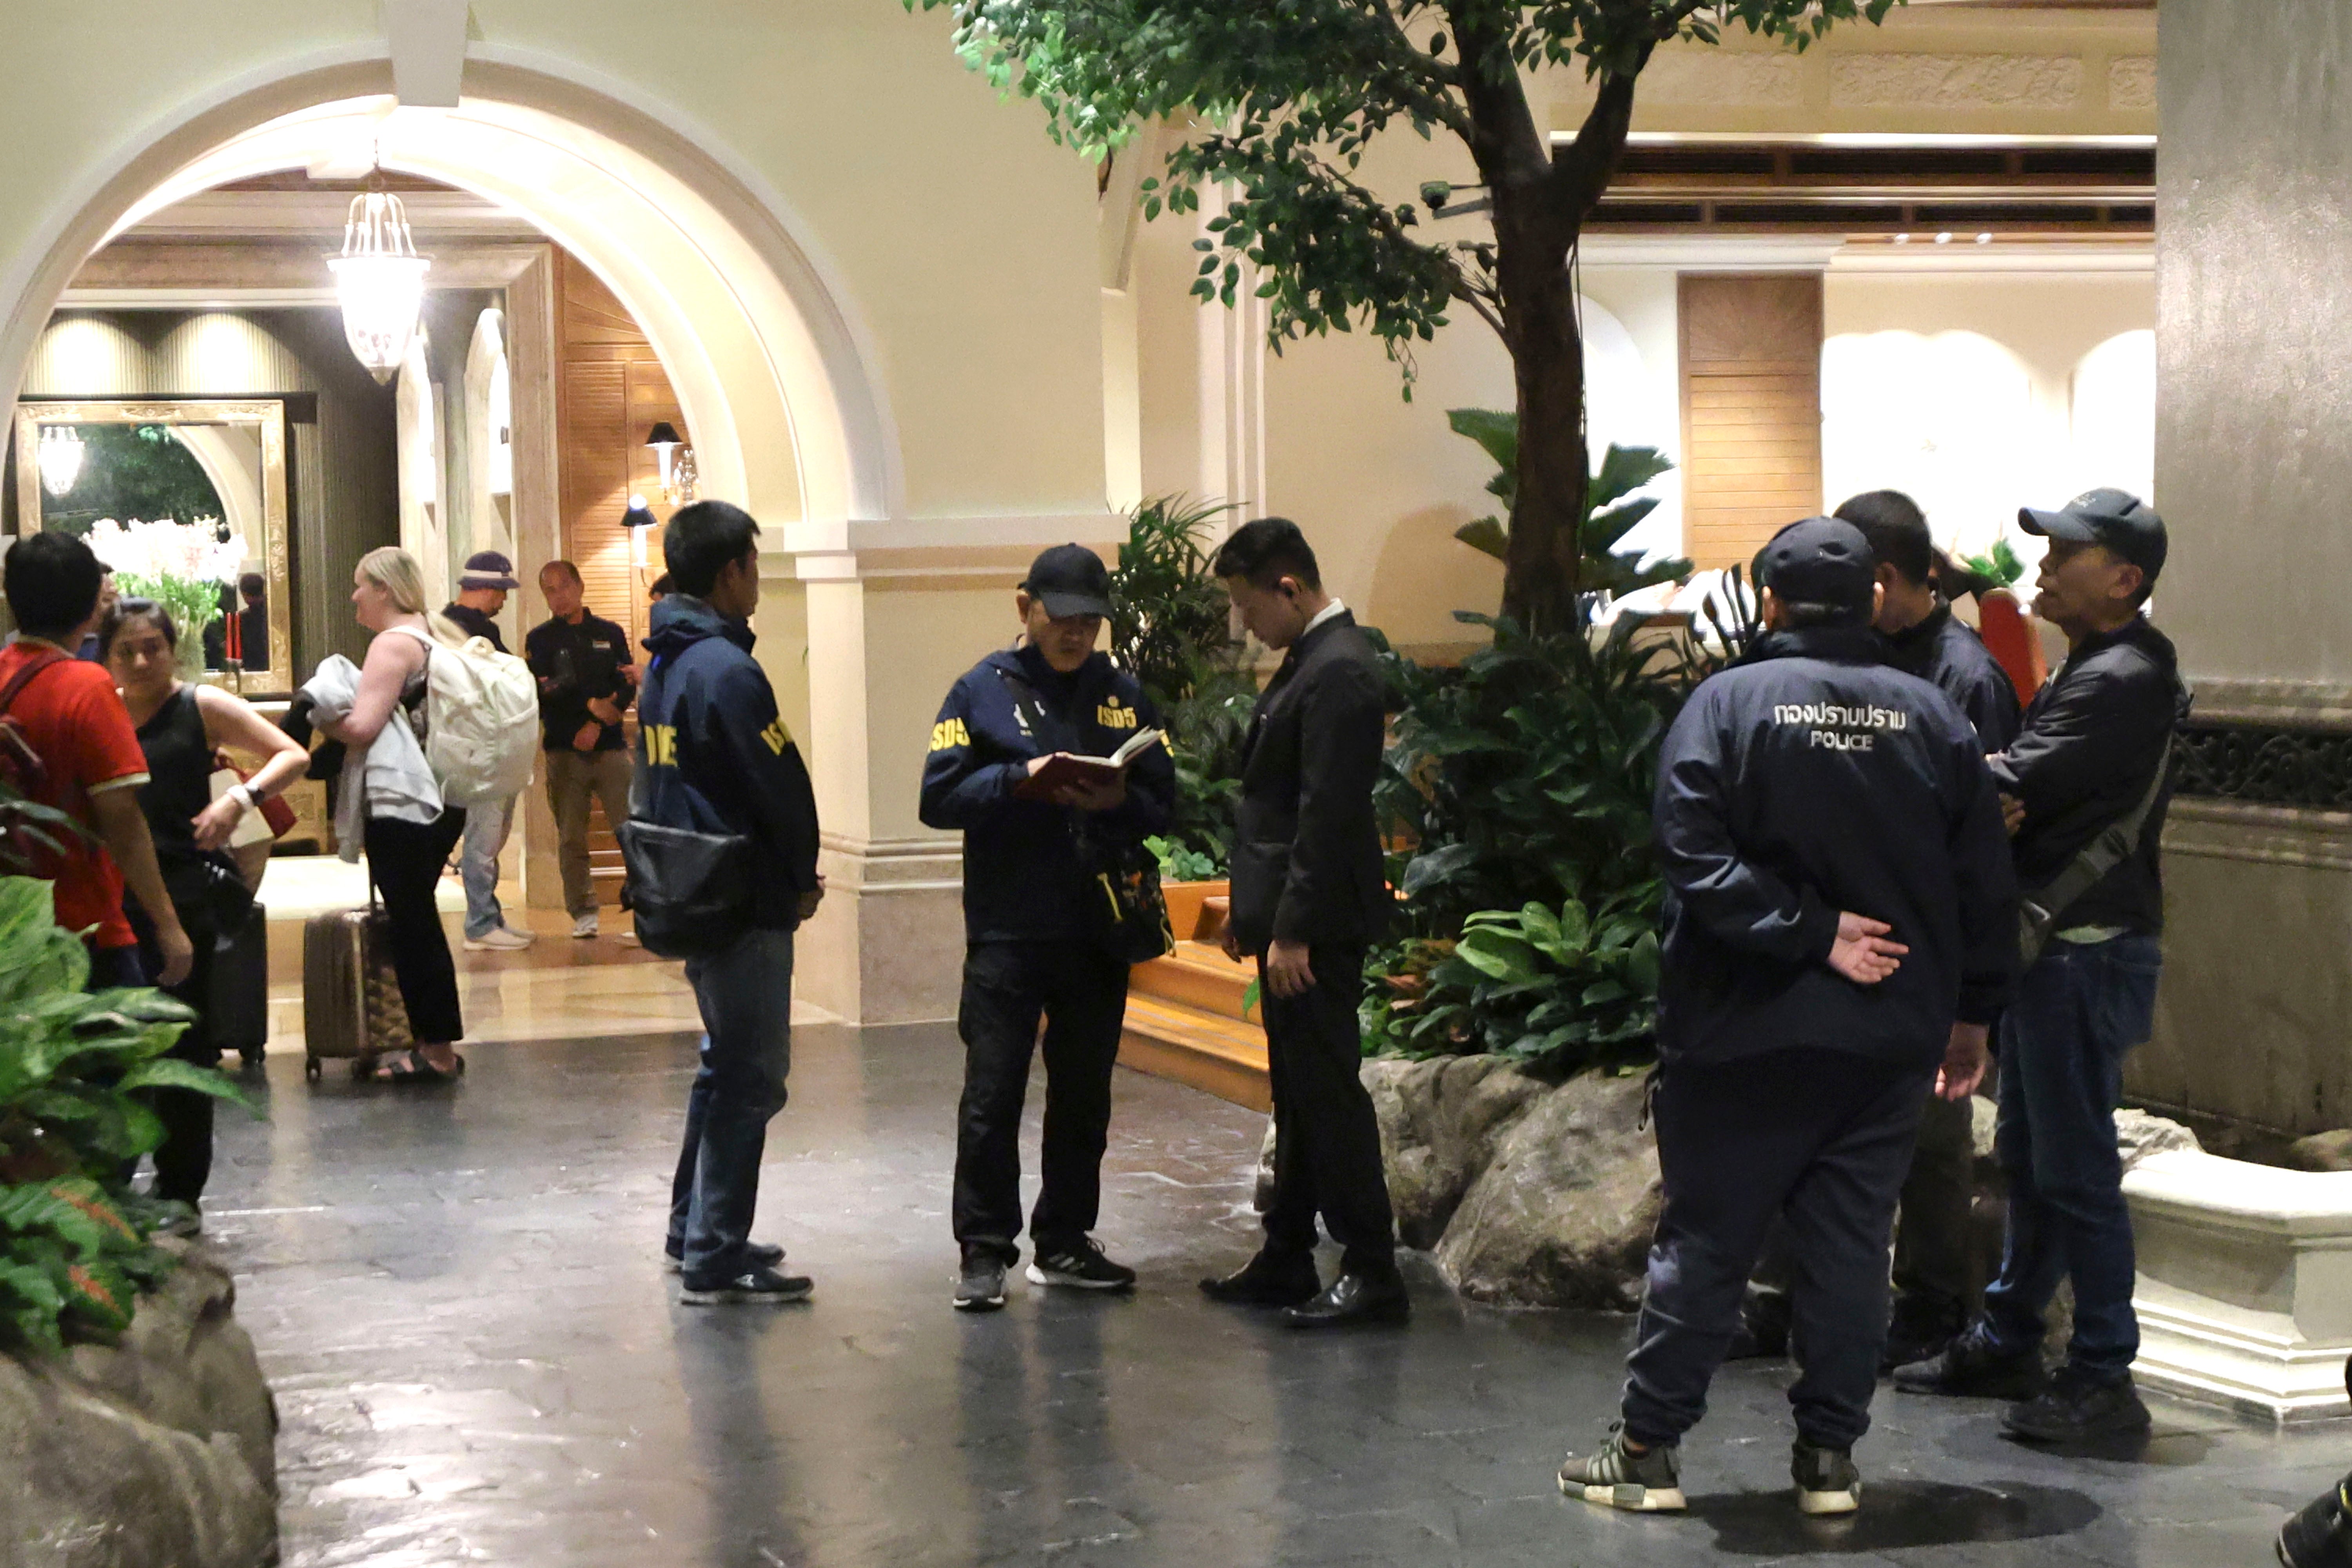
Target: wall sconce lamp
677,470
637,521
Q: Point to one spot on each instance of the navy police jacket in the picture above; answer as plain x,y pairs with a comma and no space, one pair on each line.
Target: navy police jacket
1951,657
1022,878
714,756
1808,780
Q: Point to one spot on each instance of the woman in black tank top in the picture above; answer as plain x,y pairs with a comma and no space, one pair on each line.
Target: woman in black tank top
180,727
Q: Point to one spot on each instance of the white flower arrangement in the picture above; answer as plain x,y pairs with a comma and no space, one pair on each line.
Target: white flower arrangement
191,551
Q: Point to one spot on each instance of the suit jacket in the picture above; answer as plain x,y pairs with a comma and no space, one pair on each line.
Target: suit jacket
1307,863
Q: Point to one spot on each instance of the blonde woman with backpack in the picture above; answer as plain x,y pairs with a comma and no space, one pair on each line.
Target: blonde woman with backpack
408,840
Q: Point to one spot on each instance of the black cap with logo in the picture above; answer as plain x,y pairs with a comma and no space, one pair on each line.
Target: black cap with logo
2117,519
1820,560
1070,580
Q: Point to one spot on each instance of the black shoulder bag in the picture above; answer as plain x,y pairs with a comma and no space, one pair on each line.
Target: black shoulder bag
690,892
2038,911
1128,912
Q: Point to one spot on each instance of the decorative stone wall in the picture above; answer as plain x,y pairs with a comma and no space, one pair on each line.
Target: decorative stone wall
157,1453
1956,81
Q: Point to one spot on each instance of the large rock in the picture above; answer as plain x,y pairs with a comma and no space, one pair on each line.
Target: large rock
157,1453
2322,1152
1562,1215
1439,1123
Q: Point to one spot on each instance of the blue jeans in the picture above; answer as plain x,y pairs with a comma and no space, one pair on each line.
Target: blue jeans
2079,1010
477,865
745,994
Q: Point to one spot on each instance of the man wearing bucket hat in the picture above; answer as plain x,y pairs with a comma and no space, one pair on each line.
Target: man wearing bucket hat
1840,928
481,594
2085,783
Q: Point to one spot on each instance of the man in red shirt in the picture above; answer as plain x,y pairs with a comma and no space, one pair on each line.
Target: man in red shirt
71,717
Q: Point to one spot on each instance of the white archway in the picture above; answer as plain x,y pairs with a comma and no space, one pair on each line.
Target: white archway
788,418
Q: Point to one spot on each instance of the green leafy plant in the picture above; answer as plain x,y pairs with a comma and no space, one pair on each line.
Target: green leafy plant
74,1241
1611,507
1171,629
2000,566
1541,983
1517,789
1281,102
194,604
1178,864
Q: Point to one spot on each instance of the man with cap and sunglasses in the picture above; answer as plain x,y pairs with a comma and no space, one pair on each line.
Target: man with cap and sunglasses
2085,783
1839,893
481,594
1037,941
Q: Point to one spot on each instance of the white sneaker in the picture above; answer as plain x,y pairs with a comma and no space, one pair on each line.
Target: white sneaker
585,926
498,939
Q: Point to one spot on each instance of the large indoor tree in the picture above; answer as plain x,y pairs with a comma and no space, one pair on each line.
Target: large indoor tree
1288,95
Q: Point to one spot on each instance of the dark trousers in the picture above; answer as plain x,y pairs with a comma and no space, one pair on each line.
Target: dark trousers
1818,1138
1932,1240
1081,994
745,995
2079,1011
184,1161
406,860
1327,1140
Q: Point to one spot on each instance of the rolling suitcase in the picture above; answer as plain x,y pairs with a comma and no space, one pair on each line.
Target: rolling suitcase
238,1005
350,998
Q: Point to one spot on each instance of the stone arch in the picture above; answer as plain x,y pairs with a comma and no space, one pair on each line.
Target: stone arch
760,345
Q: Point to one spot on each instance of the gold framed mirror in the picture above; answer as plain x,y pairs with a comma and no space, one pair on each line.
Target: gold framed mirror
185,499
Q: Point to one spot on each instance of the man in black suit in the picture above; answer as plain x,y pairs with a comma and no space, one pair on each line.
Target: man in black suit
1309,896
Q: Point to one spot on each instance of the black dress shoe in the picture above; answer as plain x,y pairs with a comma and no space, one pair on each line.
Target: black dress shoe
1353,1298
1264,1282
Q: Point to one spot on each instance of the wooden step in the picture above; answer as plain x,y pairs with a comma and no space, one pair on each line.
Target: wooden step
1222,1057
1199,976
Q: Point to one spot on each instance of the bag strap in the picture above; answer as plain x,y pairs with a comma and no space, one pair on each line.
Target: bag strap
24,677
2103,854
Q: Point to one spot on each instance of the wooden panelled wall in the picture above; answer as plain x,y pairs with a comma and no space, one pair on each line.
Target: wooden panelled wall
611,390
1751,396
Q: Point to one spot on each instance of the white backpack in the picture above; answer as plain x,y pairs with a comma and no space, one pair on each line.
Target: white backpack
481,720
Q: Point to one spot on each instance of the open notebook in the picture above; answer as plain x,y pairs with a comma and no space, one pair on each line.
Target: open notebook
1064,771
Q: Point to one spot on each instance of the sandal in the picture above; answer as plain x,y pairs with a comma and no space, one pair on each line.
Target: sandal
412,1065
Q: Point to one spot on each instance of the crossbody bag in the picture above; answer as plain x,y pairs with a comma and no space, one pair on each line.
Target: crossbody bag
2038,911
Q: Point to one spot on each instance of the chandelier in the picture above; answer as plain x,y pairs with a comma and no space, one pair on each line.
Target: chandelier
60,459
379,279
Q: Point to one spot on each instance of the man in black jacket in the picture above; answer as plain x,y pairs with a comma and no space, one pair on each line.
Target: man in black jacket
1036,925
2095,749
583,666
1932,1234
1839,893
715,757
1310,897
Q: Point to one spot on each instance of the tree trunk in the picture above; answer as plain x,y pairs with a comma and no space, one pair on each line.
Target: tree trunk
1541,576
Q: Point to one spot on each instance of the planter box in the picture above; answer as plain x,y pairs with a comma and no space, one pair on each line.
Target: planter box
1184,901
2245,1283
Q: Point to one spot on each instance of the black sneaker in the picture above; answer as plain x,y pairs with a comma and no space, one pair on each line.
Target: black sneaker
1760,1336
1971,1367
1080,1266
981,1287
754,1285
756,1255
1615,1476
2321,1535
1917,1334
1827,1482
2078,1407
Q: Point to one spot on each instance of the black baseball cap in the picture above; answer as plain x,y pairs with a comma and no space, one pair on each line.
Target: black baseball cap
2117,519
1070,580
1821,560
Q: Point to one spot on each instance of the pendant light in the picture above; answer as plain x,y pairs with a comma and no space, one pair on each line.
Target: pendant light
60,459
379,279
